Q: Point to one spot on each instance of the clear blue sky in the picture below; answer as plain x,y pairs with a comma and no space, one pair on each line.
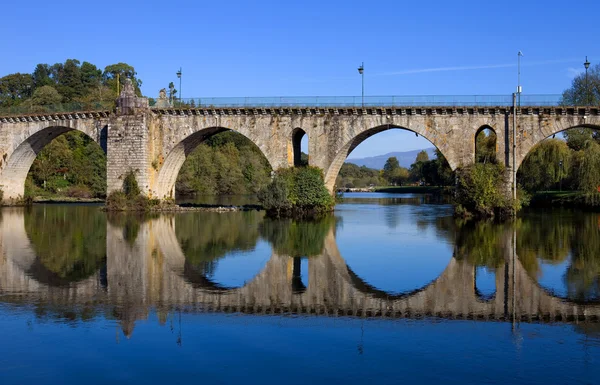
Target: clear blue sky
272,48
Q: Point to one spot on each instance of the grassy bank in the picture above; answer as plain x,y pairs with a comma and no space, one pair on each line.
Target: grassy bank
575,199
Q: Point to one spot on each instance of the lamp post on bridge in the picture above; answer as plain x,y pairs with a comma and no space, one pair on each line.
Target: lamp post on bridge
587,88
179,76
519,89
361,71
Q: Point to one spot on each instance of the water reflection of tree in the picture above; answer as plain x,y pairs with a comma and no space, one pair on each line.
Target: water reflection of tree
297,238
208,236
130,222
69,242
583,274
480,243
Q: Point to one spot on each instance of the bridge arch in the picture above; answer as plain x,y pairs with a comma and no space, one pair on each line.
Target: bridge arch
28,144
174,159
347,148
489,142
297,136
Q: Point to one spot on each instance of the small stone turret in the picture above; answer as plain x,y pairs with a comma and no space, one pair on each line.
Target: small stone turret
128,103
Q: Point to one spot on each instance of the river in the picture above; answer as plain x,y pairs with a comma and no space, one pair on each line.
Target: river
390,289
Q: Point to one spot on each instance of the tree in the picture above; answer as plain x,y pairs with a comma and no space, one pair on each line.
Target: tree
546,165
45,95
422,156
70,85
580,95
121,71
15,88
41,76
390,169
578,137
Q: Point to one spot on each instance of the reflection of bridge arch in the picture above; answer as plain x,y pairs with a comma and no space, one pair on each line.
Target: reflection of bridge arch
22,270
150,272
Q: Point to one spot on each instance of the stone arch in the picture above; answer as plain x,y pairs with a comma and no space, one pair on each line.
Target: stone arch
18,162
528,143
167,175
479,131
341,155
297,135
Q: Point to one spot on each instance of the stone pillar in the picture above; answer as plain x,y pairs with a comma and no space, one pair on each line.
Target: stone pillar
127,141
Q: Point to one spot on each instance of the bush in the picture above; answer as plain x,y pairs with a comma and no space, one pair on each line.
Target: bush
296,192
79,191
480,191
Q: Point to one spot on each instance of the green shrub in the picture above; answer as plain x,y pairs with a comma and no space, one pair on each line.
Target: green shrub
298,191
480,191
130,185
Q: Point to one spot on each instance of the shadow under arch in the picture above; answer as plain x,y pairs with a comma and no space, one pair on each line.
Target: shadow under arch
18,164
297,135
167,175
346,149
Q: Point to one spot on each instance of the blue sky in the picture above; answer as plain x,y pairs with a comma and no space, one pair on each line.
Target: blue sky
274,48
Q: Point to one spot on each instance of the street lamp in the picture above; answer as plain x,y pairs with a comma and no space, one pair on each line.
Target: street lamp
587,89
519,89
361,71
179,76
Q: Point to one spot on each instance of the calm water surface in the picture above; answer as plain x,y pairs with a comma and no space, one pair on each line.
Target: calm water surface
391,289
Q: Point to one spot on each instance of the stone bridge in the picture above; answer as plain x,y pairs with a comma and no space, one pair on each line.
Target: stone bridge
152,273
154,142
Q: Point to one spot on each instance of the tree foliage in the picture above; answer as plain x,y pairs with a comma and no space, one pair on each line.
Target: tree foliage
485,146
581,93
298,191
546,165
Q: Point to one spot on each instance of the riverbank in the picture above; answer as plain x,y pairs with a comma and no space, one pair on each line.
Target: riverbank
410,189
571,199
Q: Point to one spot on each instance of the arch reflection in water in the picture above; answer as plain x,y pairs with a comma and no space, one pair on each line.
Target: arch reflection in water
148,272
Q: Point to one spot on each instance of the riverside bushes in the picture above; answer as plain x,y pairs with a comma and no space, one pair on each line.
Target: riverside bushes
130,198
481,191
296,192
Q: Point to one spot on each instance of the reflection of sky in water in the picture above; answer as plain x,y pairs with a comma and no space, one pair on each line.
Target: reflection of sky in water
551,276
485,282
240,267
393,248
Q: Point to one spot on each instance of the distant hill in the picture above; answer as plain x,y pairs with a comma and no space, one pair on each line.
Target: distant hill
405,158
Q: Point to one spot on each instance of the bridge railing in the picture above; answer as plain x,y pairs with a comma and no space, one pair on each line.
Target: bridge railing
369,101
26,109
304,101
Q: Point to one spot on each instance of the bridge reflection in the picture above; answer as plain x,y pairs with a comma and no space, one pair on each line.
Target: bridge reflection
153,267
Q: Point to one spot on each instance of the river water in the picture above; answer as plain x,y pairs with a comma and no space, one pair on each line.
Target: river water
390,289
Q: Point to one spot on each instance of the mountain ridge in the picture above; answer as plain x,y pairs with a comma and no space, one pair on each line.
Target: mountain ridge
405,158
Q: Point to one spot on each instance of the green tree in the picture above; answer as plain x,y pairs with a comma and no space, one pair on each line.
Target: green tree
546,165
45,95
422,156
121,71
390,169
580,94
15,88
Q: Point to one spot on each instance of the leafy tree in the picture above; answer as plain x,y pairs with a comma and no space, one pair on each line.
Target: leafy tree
15,88
422,156
41,76
546,165
45,95
121,71
390,168
580,95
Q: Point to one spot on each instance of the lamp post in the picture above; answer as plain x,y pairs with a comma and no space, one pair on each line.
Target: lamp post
560,168
587,88
361,71
519,77
179,76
